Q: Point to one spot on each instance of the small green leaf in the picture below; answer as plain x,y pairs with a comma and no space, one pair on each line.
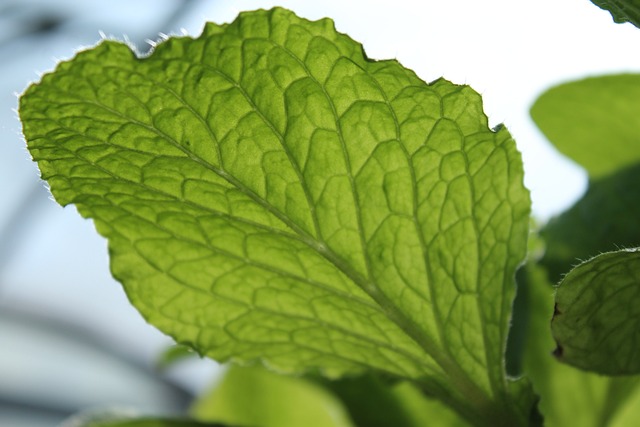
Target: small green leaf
597,314
603,220
174,354
271,194
621,10
594,121
570,396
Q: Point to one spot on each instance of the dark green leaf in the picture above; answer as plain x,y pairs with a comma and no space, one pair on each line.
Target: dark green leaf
622,10
605,219
596,320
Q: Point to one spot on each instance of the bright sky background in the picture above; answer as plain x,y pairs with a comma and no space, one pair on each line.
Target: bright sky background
508,50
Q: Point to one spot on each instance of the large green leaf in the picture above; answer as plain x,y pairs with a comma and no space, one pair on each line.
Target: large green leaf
603,220
621,10
570,396
594,121
597,314
269,193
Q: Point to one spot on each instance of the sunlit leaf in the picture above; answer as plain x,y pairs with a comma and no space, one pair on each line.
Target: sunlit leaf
271,194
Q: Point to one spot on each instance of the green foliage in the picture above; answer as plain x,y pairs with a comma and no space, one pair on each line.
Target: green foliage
174,354
622,10
274,198
604,219
593,121
253,396
597,312
569,396
373,402
271,194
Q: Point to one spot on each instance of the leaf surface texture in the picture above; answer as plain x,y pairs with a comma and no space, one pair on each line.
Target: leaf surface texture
597,317
269,193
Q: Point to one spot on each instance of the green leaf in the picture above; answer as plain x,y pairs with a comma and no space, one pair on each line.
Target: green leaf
253,396
621,10
597,314
174,354
570,396
594,121
269,193
373,402
420,411
604,219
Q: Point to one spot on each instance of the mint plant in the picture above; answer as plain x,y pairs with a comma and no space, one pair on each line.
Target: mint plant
272,196
574,117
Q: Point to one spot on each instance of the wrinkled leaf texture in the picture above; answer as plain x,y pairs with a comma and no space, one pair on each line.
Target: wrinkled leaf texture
597,316
270,194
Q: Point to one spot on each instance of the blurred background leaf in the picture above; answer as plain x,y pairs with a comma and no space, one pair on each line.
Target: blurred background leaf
253,396
593,121
249,396
606,218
